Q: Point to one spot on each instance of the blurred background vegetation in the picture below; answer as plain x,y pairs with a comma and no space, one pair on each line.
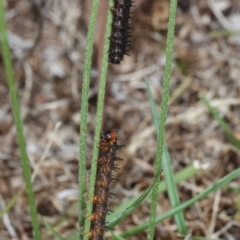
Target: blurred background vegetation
48,40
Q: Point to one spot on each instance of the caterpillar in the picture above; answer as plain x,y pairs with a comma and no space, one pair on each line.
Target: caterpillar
106,163
119,40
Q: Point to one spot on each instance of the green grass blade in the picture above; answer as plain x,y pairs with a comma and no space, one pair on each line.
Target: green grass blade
153,107
18,121
12,202
100,103
173,193
166,87
203,238
220,183
224,33
116,236
125,209
52,230
122,211
168,173
83,117
221,123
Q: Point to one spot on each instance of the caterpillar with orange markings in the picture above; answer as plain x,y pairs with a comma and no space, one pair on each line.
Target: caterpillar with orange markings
121,30
106,163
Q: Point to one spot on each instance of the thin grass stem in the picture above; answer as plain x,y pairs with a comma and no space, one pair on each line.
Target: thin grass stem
18,122
83,118
100,103
164,106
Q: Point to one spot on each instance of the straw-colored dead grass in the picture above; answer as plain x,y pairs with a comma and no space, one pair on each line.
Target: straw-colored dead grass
48,41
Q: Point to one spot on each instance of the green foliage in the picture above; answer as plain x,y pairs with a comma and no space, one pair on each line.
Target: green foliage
162,156
18,121
220,183
163,117
168,173
221,123
52,230
100,102
83,117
